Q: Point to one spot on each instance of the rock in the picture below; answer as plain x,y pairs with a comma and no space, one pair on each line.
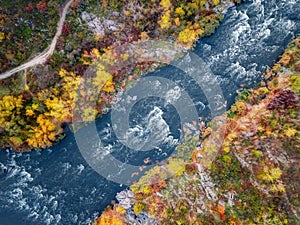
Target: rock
99,25
125,199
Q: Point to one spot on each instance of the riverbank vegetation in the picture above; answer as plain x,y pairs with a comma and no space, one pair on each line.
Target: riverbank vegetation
36,102
245,170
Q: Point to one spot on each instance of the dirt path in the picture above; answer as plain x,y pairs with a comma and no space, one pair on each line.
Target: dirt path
43,56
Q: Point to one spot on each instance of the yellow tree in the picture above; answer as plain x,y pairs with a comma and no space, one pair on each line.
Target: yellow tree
109,217
189,35
42,135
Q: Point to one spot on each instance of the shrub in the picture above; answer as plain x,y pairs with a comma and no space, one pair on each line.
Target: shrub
283,98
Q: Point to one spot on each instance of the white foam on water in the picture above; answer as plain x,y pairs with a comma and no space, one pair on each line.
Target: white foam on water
153,128
105,133
241,29
80,168
65,167
24,197
248,36
173,95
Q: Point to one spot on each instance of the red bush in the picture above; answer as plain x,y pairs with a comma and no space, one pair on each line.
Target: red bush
282,99
42,6
66,29
29,8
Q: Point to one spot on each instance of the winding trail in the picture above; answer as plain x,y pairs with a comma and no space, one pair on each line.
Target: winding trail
43,56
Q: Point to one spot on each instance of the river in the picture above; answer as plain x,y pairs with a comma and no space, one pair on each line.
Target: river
57,186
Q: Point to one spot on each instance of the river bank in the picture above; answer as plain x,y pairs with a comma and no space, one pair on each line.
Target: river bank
243,171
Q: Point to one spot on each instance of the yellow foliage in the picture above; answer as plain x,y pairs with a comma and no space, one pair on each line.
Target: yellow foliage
109,86
9,103
57,109
9,107
108,57
232,136
96,52
120,209
146,189
2,36
97,37
215,2
43,134
285,59
70,89
165,22
68,94
62,72
138,207
295,83
108,218
143,36
16,141
261,91
277,188
277,67
126,56
29,112
176,166
166,4
177,21
89,114
189,35
104,81
290,132
192,7
201,3
180,12
270,174
34,106
240,107
226,149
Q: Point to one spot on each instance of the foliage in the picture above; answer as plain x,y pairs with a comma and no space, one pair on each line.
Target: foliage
189,35
43,134
270,174
138,207
109,217
283,98
239,108
295,83
165,20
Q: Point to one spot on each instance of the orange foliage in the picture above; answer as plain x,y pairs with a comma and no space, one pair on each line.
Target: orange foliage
109,217
221,211
43,134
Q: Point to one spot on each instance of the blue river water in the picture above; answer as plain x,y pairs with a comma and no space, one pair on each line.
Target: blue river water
57,186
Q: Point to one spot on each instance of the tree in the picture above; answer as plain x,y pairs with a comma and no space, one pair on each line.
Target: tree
189,35
109,217
42,135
